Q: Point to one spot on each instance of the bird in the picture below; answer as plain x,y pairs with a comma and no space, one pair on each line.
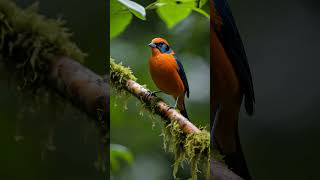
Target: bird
232,83
168,74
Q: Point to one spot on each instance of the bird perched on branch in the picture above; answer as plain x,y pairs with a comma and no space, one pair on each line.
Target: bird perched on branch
168,74
232,82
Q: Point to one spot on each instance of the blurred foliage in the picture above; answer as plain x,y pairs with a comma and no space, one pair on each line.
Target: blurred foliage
118,153
119,18
129,44
170,11
173,12
134,8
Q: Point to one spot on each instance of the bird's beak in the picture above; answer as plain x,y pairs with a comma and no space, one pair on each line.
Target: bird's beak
152,45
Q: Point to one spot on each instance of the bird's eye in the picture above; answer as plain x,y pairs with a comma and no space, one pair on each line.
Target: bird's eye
167,48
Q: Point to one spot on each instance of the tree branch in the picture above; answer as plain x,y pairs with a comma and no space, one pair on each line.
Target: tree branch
35,50
84,88
160,107
122,78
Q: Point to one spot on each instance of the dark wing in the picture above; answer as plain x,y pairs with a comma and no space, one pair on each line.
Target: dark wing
182,75
231,41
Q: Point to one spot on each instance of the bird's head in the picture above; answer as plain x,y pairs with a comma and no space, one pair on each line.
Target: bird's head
159,45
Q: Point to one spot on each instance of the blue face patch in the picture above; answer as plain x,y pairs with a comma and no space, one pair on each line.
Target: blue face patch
163,48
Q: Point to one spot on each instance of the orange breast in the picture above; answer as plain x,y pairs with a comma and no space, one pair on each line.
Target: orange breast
226,85
164,72
226,94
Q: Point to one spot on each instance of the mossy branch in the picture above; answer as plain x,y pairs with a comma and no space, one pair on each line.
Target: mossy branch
29,41
87,90
181,137
123,79
38,51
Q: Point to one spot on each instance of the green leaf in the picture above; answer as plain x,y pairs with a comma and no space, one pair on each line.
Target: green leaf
120,18
118,153
135,8
175,11
154,5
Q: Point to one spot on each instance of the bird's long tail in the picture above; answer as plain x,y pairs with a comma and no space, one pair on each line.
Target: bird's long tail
236,160
184,113
226,137
182,107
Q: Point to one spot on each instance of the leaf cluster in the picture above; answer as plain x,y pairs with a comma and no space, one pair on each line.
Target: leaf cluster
171,12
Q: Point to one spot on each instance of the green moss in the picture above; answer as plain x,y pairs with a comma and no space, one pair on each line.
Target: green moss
173,141
197,147
29,41
120,75
191,148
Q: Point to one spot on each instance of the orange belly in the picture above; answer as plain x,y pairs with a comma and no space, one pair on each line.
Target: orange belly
226,94
226,86
164,72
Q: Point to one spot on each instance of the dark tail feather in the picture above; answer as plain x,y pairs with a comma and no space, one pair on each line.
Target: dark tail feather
184,111
236,161
249,104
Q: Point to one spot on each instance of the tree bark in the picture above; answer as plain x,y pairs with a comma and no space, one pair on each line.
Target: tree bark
84,88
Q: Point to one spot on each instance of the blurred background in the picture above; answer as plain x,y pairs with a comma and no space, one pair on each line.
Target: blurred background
138,132
281,39
45,137
280,142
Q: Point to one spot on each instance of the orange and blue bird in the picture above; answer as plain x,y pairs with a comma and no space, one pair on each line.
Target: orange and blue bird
168,74
232,84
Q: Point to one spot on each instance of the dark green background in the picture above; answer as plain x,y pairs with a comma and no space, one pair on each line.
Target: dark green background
282,42
75,135
280,142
